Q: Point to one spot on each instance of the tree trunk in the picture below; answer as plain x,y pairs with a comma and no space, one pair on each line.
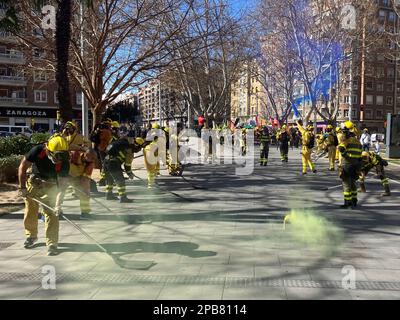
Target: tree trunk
97,115
63,38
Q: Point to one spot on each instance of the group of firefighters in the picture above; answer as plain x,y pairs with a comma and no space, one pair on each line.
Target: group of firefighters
341,144
67,160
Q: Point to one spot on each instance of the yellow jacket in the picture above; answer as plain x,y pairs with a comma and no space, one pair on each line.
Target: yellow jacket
150,153
77,141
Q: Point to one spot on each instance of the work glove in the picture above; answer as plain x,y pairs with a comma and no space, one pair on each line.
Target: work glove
130,175
23,193
58,211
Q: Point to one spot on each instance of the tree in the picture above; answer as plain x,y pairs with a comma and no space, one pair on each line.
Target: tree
313,36
125,42
204,69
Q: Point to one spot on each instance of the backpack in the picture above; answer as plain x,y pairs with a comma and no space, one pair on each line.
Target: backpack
311,142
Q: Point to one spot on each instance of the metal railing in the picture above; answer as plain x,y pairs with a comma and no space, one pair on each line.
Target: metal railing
12,100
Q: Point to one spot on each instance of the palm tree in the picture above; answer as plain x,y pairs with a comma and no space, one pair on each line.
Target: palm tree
10,22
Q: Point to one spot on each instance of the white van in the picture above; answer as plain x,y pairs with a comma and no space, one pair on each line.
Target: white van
14,130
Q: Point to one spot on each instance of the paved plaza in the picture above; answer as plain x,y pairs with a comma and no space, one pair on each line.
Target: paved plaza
218,235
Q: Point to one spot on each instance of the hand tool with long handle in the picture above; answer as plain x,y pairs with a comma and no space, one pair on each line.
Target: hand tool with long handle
140,265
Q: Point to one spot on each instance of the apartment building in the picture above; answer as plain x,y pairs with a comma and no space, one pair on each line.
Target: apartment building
172,106
248,96
375,83
29,97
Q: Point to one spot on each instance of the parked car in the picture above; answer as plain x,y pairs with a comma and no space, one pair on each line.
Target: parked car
5,134
14,130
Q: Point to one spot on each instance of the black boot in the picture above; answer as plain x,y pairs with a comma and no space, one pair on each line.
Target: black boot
124,199
111,196
346,204
354,203
387,192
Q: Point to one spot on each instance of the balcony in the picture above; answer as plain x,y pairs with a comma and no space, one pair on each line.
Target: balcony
12,58
13,81
6,101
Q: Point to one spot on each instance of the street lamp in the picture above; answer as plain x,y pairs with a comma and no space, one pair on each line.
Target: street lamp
85,111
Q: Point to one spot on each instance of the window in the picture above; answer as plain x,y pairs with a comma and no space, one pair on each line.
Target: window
381,58
368,114
56,97
40,76
369,99
379,86
370,85
379,100
392,16
346,113
382,14
379,114
389,101
390,72
40,96
380,72
385,3
355,99
389,87
79,98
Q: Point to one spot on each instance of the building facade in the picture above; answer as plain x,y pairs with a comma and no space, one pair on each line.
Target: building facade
172,107
248,96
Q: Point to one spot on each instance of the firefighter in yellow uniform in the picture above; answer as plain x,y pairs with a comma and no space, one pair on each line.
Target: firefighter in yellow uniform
118,153
307,141
151,161
81,168
331,143
76,141
372,160
43,175
350,167
341,138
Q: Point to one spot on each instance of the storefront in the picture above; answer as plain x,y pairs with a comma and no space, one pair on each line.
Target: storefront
41,119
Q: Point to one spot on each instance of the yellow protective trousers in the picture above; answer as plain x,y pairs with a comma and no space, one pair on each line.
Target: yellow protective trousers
82,185
45,192
306,159
332,157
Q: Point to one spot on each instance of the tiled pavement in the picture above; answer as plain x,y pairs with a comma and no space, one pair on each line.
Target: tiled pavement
222,242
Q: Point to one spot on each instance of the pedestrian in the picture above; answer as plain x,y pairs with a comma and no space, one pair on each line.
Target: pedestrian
350,167
372,160
365,140
308,142
43,175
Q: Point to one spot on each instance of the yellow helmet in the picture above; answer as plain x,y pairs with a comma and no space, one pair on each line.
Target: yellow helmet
365,154
284,127
155,126
310,127
70,124
329,126
139,141
57,143
114,124
349,125
337,129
